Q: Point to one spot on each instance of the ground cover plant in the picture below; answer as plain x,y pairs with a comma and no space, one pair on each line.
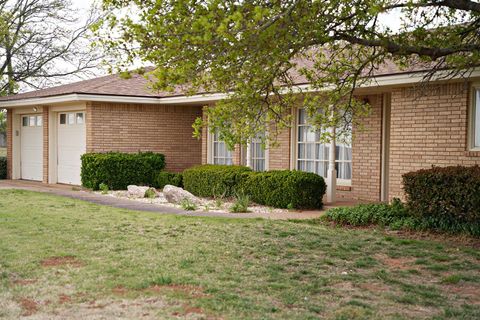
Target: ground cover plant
61,257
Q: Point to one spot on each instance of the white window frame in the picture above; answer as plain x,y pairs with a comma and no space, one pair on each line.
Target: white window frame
474,123
295,148
250,150
211,149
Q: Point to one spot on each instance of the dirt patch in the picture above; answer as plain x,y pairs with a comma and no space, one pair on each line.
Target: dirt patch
63,298
61,261
397,263
29,306
188,309
468,291
373,287
120,290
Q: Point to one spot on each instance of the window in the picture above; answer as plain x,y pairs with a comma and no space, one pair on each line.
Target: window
475,135
63,118
79,117
39,121
25,121
71,118
257,154
31,121
221,154
312,154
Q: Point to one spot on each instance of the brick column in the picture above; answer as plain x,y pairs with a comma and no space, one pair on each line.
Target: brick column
45,114
9,142
88,126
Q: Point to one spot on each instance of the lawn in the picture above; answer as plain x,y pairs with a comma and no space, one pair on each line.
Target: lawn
3,152
63,258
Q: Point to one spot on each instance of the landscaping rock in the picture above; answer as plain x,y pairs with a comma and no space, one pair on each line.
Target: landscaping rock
136,191
176,195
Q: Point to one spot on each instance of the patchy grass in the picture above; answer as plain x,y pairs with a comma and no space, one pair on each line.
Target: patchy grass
65,258
3,152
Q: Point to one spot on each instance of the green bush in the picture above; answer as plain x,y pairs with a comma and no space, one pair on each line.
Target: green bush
163,178
285,189
3,167
280,189
397,216
118,170
213,180
449,194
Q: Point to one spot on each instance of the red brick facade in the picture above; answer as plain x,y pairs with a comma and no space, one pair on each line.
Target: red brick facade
134,127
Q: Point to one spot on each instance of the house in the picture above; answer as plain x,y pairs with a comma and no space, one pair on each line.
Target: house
49,129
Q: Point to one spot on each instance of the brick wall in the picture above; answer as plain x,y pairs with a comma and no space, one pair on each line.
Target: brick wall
135,127
279,155
428,128
9,142
366,154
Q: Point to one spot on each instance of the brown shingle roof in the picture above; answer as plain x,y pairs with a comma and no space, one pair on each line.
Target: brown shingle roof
137,85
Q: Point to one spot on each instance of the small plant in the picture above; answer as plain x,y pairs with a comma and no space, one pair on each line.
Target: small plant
188,204
206,208
290,206
219,203
241,203
150,193
103,187
219,199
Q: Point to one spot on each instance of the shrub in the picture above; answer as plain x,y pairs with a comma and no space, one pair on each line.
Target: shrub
188,204
103,187
241,203
285,189
213,180
118,170
369,214
150,193
3,167
163,178
449,195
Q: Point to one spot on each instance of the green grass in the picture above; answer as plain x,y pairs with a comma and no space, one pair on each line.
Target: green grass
120,263
3,152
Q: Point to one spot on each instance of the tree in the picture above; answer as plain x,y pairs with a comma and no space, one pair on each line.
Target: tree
42,41
258,49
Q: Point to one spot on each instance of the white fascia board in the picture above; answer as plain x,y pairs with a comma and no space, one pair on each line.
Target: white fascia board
375,82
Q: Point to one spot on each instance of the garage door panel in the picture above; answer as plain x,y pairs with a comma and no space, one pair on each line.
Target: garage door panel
71,145
31,148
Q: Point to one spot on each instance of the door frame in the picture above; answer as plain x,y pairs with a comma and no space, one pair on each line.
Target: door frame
20,135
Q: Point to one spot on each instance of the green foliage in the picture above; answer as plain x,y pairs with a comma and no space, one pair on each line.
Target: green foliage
163,178
3,167
118,170
188,204
397,216
285,189
213,180
103,187
150,193
449,193
280,189
241,203
258,50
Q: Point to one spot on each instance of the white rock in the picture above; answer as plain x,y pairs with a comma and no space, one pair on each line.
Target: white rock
176,195
136,191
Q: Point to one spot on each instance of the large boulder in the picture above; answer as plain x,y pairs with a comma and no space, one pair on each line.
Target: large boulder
176,195
136,191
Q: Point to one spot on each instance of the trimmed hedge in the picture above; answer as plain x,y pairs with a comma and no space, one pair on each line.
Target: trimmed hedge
163,178
118,170
450,194
280,189
3,167
213,180
285,189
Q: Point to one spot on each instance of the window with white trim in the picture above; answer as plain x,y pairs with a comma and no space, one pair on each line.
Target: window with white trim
220,154
312,154
72,118
257,153
32,121
475,128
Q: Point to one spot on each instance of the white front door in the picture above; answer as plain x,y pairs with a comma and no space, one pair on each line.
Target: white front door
31,147
71,144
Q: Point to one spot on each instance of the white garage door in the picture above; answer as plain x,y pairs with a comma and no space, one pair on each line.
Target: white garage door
31,147
71,145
